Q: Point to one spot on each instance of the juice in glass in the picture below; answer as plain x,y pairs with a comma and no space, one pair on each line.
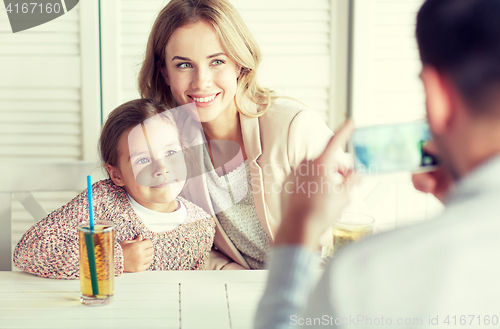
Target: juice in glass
351,227
103,240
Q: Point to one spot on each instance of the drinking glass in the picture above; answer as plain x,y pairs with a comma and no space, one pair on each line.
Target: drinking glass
351,227
97,276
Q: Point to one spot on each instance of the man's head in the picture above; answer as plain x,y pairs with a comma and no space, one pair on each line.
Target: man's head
459,43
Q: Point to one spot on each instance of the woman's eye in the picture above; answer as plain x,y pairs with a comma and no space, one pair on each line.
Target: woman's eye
171,152
218,62
142,161
184,65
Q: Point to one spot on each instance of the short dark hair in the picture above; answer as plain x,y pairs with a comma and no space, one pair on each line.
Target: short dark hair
461,39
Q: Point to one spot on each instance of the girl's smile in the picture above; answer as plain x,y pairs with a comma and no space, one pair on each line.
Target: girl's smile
151,164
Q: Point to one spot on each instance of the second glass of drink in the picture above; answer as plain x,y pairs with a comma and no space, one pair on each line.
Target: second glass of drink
351,227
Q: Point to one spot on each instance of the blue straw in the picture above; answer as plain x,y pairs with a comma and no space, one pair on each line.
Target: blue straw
89,241
91,207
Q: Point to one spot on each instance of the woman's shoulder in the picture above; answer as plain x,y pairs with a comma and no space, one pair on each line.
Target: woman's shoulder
287,114
295,129
285,106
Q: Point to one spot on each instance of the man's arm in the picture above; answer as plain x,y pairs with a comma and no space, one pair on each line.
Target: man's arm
308,213
290,281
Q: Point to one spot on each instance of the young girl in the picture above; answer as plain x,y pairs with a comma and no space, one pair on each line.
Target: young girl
201,52
155,229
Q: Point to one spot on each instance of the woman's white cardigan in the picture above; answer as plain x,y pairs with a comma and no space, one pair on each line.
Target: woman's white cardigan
274,143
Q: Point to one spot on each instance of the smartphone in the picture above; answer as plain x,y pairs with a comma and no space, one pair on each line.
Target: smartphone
391,148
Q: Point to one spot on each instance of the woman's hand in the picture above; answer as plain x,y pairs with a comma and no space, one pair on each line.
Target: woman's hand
233,266
137,254
313,200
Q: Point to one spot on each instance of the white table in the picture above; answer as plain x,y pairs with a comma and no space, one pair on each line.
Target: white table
173,299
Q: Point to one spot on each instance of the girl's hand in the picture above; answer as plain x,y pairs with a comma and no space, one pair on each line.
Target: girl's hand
137,254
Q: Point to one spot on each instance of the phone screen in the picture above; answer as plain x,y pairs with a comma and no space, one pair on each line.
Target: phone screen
390,148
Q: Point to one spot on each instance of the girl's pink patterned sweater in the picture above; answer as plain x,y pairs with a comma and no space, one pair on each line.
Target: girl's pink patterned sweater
50,247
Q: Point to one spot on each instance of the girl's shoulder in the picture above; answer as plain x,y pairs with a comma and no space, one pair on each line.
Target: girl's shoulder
107,198
103,191
194,212
110,197
107,187
109,201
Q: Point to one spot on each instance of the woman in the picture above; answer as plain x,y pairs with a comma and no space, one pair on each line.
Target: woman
201,51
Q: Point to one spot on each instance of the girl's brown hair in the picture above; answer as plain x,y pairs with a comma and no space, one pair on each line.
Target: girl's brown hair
133,113
122,119
236,39
129,115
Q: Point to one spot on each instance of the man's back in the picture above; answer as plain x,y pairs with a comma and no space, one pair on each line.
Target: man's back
446,268
440,274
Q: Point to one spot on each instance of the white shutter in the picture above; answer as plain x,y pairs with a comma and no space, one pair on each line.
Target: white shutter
40,112
44,76
294,37
136,21
386,64
49,97
386,89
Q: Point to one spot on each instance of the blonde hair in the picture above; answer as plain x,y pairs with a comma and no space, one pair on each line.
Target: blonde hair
235,38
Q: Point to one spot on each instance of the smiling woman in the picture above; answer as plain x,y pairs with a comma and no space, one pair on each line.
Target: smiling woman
204,74
202,52
228,34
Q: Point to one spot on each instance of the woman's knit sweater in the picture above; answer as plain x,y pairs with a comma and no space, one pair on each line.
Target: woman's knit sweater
50,247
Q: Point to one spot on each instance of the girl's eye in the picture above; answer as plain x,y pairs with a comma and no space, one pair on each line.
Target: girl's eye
170,152
218,62
142,161
184,65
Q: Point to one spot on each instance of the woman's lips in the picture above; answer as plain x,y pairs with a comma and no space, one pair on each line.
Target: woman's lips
199,100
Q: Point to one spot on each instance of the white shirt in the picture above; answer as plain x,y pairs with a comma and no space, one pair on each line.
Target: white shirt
159,222
442,273
233,202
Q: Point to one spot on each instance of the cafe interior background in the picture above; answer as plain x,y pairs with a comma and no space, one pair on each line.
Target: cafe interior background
341,58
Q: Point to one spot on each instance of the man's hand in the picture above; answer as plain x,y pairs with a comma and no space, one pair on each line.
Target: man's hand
437,182
313,200
137,254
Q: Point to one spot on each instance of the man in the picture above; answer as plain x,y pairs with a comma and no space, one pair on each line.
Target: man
443,273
